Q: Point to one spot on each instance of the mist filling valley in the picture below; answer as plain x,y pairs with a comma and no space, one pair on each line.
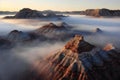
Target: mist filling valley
18,60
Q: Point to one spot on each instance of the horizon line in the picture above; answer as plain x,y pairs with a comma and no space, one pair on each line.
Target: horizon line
57,10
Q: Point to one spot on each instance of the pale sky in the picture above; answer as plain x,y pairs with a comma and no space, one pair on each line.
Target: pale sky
58,5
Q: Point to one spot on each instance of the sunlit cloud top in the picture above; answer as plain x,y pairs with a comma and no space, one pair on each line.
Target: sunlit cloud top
62,5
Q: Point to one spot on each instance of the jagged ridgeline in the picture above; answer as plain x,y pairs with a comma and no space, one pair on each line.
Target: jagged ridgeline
79,60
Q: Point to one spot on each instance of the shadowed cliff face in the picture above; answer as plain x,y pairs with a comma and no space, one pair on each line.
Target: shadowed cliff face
79,60
28,13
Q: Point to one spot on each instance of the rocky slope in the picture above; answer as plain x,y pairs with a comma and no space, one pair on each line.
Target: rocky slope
79,60
53,31
50,32
102,12
18,36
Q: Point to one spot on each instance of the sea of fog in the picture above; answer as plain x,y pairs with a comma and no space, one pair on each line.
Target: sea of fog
15,63
110,26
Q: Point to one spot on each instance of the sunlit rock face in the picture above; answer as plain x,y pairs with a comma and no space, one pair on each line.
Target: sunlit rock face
79,60
78,45
102,12
18,36
54,31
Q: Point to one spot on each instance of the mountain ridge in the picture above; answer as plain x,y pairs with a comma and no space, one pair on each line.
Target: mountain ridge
95,64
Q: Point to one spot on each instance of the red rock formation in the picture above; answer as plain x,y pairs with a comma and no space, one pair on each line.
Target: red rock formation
78,45
90,63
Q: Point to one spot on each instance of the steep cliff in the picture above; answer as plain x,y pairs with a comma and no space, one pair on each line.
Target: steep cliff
79,60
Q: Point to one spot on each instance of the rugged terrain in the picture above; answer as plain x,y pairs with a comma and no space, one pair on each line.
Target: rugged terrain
56,32
79,60
102,12
50,32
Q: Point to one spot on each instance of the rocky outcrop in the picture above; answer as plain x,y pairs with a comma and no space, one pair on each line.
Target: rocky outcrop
26,38
51,27
28,13
49,32
79,60
54,31
78,45
18,36
102,12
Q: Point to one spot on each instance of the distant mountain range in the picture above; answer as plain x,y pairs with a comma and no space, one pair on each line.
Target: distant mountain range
29,13
102,12
7,12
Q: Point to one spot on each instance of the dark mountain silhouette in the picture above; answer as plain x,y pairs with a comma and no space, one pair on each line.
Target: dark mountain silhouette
18,36
27,13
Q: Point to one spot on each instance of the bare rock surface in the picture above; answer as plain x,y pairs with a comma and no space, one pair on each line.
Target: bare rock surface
79,60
